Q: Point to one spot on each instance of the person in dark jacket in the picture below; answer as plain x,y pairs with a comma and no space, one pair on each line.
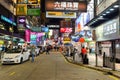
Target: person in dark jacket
47,49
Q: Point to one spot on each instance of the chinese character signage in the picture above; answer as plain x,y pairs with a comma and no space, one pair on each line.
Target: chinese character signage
35,12
108,30
68,6
21,9
28,9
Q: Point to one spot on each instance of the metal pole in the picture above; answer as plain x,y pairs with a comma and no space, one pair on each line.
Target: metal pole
119,16
12,22
96,54
113,54
96,44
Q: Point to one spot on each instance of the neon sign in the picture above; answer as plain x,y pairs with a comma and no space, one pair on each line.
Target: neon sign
7,20
65,30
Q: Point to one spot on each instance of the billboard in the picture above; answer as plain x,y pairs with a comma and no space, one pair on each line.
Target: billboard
44,29
66,6
28,9
33,36
53,14
66,30
27,35
21,9
53,26
35,12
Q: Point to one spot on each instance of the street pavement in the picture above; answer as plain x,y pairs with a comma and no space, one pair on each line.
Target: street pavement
92,64
53,66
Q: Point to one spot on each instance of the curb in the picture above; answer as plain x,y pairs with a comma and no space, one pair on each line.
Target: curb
95,68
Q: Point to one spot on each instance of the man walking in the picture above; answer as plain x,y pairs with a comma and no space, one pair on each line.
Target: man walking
32,52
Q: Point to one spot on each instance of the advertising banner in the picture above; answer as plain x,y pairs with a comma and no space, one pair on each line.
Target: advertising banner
66,6
108,30
21,9
66,30
33,12
53,14
27,35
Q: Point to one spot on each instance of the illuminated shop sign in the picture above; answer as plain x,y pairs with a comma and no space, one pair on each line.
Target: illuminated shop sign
44,29
27,35
110,29
7,20
1,42
69,6
21,9
21,1
36,29
66,39
52,14
32,1
28,1
65,30
53,26
33,12
21,19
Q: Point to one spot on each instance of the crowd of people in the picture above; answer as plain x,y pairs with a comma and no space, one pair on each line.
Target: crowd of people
71,51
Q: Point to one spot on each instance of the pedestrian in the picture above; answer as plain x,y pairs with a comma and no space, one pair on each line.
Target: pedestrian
32,52
47,49
83,53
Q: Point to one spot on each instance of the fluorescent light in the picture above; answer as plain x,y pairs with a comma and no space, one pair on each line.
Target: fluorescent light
101,16
107,12
116,6
104,14
111,9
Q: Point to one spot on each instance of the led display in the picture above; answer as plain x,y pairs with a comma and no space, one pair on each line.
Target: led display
65,30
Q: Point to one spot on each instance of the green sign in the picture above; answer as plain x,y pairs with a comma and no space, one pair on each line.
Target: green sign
33,12
33,37
36,29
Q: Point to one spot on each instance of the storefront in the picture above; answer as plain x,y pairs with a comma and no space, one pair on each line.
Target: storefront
108,43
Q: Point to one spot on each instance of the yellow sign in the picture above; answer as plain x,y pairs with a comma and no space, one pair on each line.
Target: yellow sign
55,13
1,42
67,39
61,14
21,9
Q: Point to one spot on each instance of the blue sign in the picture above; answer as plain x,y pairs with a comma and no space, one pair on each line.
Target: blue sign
44,29
7,20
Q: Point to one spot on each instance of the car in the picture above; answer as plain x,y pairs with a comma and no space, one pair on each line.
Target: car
37,51
15,56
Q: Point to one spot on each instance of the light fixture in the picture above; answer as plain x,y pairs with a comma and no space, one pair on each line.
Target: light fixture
101,16
116,6
111,9
104,14
107,12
